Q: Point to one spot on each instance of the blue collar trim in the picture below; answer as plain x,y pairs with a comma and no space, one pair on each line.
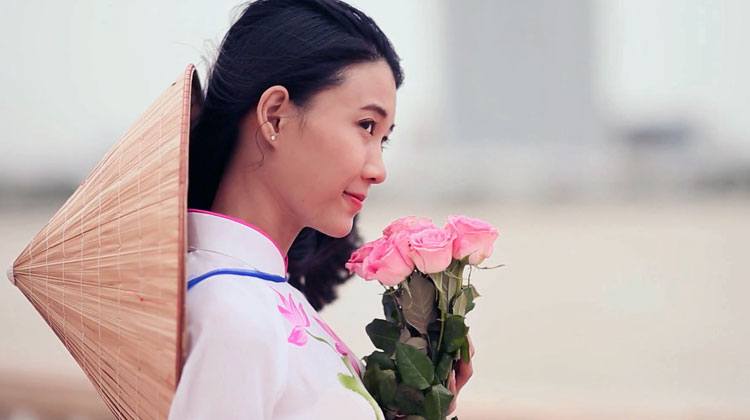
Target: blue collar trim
237,271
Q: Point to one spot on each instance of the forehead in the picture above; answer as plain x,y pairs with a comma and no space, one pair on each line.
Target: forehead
364,84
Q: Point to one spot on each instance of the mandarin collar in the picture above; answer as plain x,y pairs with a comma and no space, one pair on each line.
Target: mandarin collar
236,238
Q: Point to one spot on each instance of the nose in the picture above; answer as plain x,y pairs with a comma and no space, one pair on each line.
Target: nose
374,170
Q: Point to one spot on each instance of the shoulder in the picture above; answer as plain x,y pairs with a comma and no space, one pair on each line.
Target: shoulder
220,291
235,343
230,305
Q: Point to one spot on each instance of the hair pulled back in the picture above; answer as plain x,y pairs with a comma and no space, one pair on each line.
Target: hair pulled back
303,45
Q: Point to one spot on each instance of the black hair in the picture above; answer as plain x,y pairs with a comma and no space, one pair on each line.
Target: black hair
303,45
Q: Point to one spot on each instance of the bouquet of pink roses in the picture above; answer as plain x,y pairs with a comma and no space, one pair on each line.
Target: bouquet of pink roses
425,302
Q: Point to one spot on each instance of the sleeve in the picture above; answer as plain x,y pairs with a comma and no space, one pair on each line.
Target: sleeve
237,361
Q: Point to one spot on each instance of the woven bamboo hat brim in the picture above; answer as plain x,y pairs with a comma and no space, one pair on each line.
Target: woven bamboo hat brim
107,271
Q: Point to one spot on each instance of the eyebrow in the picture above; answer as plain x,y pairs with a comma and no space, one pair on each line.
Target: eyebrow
383,113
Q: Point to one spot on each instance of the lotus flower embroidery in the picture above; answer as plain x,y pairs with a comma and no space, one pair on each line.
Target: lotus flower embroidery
295,314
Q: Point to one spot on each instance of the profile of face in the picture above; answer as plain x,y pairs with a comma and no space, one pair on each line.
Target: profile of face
335,148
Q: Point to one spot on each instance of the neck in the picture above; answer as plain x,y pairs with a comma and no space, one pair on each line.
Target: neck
243,194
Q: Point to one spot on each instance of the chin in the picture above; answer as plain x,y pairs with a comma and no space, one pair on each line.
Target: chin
337,230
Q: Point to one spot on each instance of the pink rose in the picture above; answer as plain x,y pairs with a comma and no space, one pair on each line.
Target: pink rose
401,241
432,249
354,265
409,224
473,238
386,264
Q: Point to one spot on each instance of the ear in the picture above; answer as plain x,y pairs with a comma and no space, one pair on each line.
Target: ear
273,104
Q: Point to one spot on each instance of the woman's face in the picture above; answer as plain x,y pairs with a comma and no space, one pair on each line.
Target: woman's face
337,149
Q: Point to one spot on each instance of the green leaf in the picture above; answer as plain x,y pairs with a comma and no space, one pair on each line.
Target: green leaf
461,302
383,334
453,286
390,307
469,307
437,281
454,333
387,386
418,306
433,336
436,402
474,291
409,400
465,356
448,286
414,366
381,360
464,302
353,384
443,368
381,384
370,380
474,295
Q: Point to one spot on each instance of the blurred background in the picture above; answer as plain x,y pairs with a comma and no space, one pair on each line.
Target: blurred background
609,142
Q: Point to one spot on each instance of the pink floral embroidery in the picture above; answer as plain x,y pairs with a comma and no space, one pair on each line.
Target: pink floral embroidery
341,347
295,314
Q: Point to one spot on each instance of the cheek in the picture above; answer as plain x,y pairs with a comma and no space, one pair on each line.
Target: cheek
349,164
328,163
337,176
343,157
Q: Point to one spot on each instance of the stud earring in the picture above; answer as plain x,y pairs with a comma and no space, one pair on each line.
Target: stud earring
273,136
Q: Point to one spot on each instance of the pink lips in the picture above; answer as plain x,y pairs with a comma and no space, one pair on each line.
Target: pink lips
360,197
355,199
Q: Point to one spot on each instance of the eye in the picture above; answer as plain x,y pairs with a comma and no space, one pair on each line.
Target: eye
370,123
365,123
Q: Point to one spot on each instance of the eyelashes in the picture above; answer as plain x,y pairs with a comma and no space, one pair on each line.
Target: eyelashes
364,124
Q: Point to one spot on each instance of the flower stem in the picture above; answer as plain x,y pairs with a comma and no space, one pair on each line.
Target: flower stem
455,274
321,339
442,327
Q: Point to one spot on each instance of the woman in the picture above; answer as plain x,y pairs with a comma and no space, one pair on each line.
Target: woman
289,141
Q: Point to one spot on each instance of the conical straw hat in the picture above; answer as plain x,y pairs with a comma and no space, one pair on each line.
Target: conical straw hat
107,271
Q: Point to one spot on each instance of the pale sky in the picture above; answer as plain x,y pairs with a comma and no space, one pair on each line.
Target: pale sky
671,56
77,73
